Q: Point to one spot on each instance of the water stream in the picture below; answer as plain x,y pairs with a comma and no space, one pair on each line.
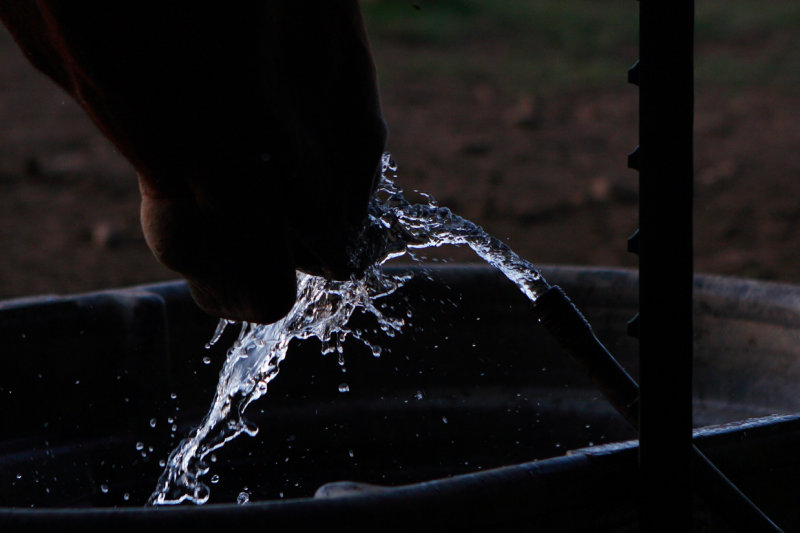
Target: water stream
322,310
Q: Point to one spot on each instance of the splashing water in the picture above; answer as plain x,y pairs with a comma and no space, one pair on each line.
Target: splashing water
323,309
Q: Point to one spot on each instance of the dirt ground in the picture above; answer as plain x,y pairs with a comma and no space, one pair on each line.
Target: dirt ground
547,173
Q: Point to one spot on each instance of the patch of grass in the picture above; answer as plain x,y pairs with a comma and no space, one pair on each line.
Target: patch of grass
532,45
540,45
746,43
578,25
431,23
722,20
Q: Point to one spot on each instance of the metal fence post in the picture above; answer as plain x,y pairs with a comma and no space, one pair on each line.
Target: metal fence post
664,159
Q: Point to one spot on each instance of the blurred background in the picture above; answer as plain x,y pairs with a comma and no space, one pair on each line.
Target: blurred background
514,113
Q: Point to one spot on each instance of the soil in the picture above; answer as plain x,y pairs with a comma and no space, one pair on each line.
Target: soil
547,173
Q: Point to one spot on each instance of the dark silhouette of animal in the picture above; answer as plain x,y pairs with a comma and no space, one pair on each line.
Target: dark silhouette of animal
255,128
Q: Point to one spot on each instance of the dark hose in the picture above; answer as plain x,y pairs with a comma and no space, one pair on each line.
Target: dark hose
572,331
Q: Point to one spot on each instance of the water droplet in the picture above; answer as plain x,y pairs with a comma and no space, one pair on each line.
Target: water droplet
444,419
173,395
215,479
19,476
243,498
419,395
221,325
140,446
344,387
126,496
206,360
153,422
351,453
104,488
